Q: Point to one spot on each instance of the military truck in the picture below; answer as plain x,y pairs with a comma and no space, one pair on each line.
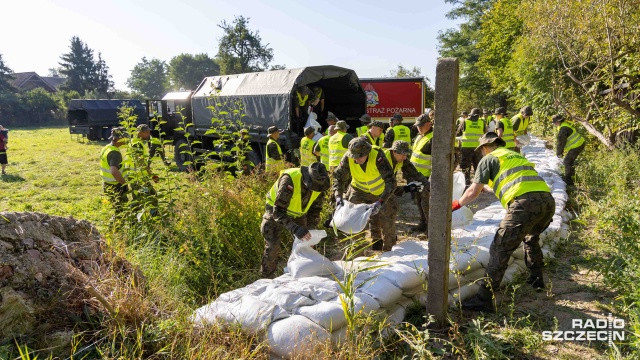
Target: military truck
257,101
93,119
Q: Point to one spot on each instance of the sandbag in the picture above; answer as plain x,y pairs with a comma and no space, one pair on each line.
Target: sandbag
411,248
458,185
297,337
461,217
351,218
338,337
253,315
208,314
523,140
306,261
362,302
285,297
328,314
322,282
464,292
401,276
382,290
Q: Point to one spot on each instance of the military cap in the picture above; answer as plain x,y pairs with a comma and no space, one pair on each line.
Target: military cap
342,125
491,138
422,119
500,111
401,147
396,117
359,147
465,112
377,123
118,133
365,118
273,129
143,128
315,177
485,111
308,131
475,112
331,116
526,110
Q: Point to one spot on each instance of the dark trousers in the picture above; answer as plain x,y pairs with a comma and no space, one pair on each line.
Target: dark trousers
272,233
470,157
422,201
569,160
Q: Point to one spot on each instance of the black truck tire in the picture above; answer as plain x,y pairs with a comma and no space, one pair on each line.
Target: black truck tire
181,158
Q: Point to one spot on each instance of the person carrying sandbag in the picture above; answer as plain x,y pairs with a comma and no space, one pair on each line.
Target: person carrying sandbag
421,160
370,180
294,202
530,208
569,140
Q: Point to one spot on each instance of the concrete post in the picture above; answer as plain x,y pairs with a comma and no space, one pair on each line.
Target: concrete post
442,157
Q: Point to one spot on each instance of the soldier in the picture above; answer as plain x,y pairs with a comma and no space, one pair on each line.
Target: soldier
530,208
371,181
397,131
111,169
471,130
520,123
274,160
421,159
568,140
318,100
338,144
463,116
366,120
375,134
294,202
332,119
489,121
417,183
321,149
307,157
504,128
301,101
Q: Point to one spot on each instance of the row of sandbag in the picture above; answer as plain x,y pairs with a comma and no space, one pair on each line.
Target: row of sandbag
298,311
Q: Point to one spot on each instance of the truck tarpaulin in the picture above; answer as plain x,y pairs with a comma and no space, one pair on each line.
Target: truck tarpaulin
388,96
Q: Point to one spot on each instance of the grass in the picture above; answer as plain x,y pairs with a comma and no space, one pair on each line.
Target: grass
208,242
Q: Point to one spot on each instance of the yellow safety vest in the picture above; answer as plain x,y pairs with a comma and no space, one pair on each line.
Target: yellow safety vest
362,130
522,126
306,152
387,153
401,132
105,168
323,144
336,150
377,142
421,161
295,205
473,130
574,140
302,100
272,164
517,176
369,181
507,134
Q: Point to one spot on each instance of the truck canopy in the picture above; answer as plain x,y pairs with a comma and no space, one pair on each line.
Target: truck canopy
265,97
102,112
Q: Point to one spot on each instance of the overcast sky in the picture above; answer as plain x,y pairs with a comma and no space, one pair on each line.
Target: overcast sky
370,37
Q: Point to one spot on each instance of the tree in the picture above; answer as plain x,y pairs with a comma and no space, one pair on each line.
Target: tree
78,67
241,50
102,82
187,71
149,78
39,105
8,97
5,77
403,72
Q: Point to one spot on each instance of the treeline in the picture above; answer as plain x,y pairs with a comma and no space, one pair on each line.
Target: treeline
240,50
576,57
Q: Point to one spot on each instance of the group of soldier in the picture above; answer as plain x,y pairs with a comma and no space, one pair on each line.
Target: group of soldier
363,170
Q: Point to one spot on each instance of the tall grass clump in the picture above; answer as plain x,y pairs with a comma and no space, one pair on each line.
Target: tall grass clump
609,197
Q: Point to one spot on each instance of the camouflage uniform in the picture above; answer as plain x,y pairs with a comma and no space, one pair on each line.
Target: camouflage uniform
379,225
422,199
572,155
274,219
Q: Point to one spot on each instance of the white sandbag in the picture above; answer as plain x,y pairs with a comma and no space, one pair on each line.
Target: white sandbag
338,337
411,248
464,261
362,303
472,276
418,263
415,291
328,314
306,261
458,185
523,140
251,314
322,282
313,122
480,254
208,314
510,274
461,217
314,292
297,337
285,297
395,315
402,276
382,290
351,218
464,292
255,288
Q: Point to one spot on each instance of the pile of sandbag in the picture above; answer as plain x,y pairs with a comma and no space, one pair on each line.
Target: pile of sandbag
300,311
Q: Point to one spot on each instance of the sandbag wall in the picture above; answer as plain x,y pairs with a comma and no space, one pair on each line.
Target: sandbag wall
297,315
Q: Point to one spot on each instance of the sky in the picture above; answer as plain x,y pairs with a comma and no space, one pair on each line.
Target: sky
371,37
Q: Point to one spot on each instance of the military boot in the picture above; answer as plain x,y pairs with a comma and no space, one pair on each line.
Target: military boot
482,301
536,281
377,244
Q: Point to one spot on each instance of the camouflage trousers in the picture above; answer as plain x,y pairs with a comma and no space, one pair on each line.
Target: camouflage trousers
470,157
272,233
381,225
569,160
527,217
422,201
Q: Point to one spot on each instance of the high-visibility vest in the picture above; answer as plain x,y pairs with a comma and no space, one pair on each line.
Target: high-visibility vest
401,132
323,144
517,176
473,130
362,130
302,100
369,181
575,139
272,164
522,126
387,154
507,134
306,152
336,150
105,168
421,161
295,205
377,142
487,120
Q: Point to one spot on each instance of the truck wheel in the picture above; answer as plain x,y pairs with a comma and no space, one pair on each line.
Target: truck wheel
181,158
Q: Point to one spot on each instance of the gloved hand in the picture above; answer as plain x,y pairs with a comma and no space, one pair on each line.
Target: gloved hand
376,207
301,232
455,205
339,201
415,186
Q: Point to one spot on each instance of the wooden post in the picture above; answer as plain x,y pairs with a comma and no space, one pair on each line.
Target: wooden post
442,157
